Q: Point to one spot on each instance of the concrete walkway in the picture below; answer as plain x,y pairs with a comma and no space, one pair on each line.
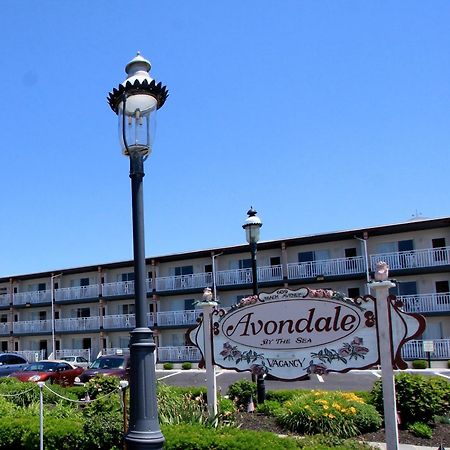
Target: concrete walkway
402,446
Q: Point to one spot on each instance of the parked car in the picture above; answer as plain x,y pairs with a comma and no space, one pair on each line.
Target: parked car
112,365
78,361
58,371
11,362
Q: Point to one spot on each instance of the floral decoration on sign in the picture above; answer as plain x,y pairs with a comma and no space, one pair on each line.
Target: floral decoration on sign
232,353
347,352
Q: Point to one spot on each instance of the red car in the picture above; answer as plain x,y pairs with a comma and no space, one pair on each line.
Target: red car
59,372
113,365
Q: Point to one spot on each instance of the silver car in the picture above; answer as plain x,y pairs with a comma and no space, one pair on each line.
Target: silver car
78,361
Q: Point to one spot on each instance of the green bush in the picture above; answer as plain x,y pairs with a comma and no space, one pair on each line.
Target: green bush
186,366
196,437
329,441
419,364
419,398
270,408
241,391
421,429
283,395
168,366
101,385
342,414
190,391
226,411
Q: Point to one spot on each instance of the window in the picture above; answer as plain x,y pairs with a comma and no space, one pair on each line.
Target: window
275,261
3,318
128,309
245,263
83,312
84,281
184,270
440,253
433,331
57,344
404,288
86,343
4,346
128,276
353,292
189,304
42,315
56,315
208,268
442,287
43,345
42,287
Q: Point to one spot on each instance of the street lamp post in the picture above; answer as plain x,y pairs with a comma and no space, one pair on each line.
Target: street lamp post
252,226
135,102
52,299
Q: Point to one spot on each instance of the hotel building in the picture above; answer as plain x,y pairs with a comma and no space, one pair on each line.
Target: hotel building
88,310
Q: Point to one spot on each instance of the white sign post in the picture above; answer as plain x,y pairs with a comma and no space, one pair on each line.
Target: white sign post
381,289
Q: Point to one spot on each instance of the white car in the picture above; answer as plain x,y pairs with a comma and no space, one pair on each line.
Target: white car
78,361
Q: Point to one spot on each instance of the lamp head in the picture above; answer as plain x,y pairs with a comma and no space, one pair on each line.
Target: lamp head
252,226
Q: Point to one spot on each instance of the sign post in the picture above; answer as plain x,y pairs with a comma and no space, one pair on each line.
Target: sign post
428,348
381,289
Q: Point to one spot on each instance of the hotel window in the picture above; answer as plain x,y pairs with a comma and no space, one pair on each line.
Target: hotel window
440,254
353,292
3,318
184,270
128,309
83,312
128,276
189,304
84,281
245,263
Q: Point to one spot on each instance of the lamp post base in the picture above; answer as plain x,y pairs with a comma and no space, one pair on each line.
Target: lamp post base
144,432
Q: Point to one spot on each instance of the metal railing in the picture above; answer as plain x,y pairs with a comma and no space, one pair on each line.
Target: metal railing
414,349
5,328
33,297
233,277
84,352
77,292
176,318
177,282
32,326
123,288
426,303
181,354
430,257
78,324
124,321
32,355
4,299
326,267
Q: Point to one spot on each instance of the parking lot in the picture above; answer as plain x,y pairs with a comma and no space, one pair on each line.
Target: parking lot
356,380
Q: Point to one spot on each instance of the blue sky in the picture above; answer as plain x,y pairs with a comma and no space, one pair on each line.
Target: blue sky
323,115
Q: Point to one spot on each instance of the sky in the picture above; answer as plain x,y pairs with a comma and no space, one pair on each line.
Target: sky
322,115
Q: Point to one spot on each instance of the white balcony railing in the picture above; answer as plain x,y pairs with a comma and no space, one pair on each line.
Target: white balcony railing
77,292
193,281
84,352
180,354
430,257
177,318
32,326
414,349
4,299
78,324
124,321
123,288
5,328
426,303
33,297
233,277
326,267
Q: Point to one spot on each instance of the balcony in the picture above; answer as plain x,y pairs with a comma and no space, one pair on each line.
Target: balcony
245,276
179,282
77,292
78,324
4,328
32,298
4,300
32,327
177,318
178,354
123,288
326,267
426,303
414,350
117,321
430,257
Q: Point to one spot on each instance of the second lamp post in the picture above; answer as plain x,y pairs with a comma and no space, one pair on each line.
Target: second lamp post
252,226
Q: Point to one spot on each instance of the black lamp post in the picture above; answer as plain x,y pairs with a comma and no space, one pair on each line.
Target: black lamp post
252,227
135,102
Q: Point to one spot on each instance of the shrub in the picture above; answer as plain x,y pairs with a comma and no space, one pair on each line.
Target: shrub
190,391
196,437
270,408
329,441
168,366
226,411
419,398
101,385
241,391
342,414
421,429
186,366
283,395
419,364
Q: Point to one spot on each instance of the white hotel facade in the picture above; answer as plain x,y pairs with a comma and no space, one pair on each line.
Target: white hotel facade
94,306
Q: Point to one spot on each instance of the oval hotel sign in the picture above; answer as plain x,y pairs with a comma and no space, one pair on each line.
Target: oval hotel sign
291,334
